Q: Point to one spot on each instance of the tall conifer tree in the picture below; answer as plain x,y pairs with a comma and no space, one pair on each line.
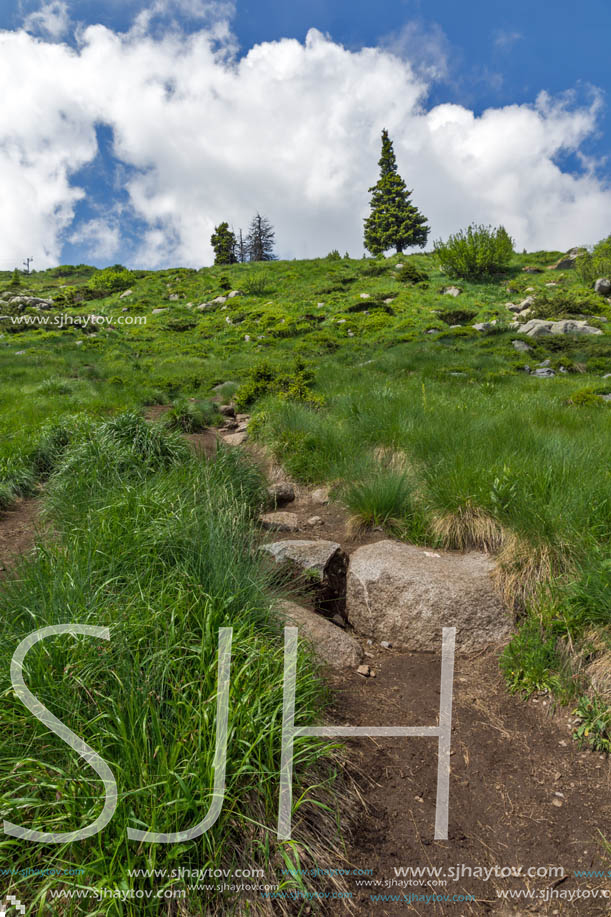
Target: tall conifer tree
394,222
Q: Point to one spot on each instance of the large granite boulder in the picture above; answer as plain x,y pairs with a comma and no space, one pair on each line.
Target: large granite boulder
330,643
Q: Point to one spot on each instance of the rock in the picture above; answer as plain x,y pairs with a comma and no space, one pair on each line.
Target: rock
281,493
485,326
386,644
221,385
532,270
521,346
319,564
315,520
125,294
513,307
22,302
526,303
158,311
329,642
364,670
234,293
451,291
545,363
227,410
279,522
174,297
78,343
247,337
552,283
235,439
406,595
537,327
218,301
19,353
603,286
320,495
364,295
566,262
398,266
543,373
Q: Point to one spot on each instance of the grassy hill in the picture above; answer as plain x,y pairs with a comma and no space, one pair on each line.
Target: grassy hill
361,374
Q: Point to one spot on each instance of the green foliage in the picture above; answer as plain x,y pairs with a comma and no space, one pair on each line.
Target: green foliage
474,253
260,240
374,269
457,316
597,263
595,726
531,662
223,242
110,280
560,303
590,397
394,222
409,273
385,499
192,416
334,255
257,286
266,379
16,278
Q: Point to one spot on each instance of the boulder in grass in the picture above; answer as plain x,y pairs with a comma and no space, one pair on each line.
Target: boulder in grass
330,643
279,522
406,595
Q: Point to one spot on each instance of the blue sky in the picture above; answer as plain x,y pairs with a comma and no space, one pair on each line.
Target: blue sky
477,55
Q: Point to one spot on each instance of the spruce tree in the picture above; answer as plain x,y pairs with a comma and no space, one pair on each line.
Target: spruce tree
241,247
394,222
260,240
223,242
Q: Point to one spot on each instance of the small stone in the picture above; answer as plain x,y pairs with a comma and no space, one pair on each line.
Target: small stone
320,495
281,493
603,286
364,295
247,337
234,439
451,291
280,522
386,644
521,346
557,802
227,410
173,297
364,670
158,311
315,520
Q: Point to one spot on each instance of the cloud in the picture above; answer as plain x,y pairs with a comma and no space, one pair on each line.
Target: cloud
101,237
290,129
506,39
426,47
52,20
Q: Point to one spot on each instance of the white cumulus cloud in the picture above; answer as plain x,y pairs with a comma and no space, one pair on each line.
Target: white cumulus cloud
290,129
102,238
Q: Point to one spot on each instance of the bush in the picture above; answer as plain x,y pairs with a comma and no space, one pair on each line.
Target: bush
375,269
334,255
192,416
457,316
266,379
110,280
597,263
256,286
559,304
475,253
409,273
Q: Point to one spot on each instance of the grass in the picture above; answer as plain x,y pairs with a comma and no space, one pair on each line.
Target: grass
158,547
435,433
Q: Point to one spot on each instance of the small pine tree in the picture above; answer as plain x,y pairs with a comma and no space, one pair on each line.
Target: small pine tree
260,240
223,242
16,278
394,222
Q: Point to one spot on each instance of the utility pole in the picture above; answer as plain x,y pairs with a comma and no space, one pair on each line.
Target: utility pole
26,264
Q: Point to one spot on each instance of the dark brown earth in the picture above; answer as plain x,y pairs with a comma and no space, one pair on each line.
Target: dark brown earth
17,532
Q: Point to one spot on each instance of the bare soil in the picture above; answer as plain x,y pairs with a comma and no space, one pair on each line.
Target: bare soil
17,532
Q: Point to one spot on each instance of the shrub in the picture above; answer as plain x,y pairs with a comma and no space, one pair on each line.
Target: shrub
256,286
589,397
334,255
457,316
110,280
374,269
266,379
565,304
409,273
192,416
595,726
596,263
476,252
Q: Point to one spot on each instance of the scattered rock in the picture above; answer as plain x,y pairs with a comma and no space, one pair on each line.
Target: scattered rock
557,802
603,286
158,311
319,564
451,291
125,294
402,594
329,642
485,326
218,300
543,373
234,293
386,644
78,344
19,353
532,270
174,297
320,495
364,670
280,494
521,346
315,520
364,295
227,410
566,262
513,307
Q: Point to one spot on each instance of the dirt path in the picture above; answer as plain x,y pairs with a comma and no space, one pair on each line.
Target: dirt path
521,791
17,532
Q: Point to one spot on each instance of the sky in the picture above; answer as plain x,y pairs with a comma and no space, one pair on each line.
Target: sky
130,128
